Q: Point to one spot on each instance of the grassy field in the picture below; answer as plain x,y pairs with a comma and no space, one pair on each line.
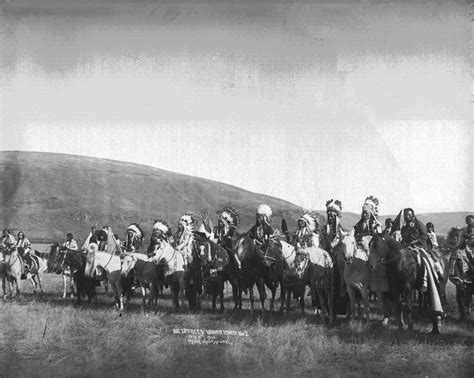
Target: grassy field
51,337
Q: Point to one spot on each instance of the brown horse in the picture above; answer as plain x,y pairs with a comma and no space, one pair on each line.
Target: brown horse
251,271
403,273
75,261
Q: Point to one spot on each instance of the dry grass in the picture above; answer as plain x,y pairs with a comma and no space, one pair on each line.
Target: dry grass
49,336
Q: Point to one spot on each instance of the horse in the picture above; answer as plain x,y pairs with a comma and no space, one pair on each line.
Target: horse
461,273
251,271
145,273
15,269
322,282
216,268
273,266
112,266
56,264
170,265
75,262
296,276
356,271
403,273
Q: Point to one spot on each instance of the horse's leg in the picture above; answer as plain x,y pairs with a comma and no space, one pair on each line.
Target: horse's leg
251,298
235,295
261,291
214,296
39,285
143,289
4,288
181,289
366,301
351,294
221,294
284,291
323,305
64,286
460,302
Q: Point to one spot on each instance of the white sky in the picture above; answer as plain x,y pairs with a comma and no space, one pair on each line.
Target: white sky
302,102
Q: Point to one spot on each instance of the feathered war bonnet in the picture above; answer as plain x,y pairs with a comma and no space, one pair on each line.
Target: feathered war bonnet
188,221
334,206
310,219
266,211
135,229
371,205
229,217
163,228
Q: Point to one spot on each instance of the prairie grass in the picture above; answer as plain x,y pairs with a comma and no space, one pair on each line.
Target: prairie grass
52,337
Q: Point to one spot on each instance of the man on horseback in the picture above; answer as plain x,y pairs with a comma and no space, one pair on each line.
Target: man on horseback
332,230
308,233
70,243
8,240
368,224
261,232
184,237
414,235
228,221
24,248
413,232
134,238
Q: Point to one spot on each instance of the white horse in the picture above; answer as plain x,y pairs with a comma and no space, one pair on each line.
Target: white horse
14,268
170,270
112,266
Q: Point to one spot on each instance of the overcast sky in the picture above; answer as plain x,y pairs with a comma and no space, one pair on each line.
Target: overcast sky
301,101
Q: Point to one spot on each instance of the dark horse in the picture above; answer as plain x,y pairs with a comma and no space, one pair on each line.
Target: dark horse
76,262
218,265
403,273
259,267
461,273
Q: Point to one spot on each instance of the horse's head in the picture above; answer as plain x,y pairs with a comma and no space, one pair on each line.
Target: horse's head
347,246
90,267
244,247
301,262
59,258
378,251
128,263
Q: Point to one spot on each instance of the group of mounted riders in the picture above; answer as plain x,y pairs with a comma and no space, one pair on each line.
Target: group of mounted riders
406,229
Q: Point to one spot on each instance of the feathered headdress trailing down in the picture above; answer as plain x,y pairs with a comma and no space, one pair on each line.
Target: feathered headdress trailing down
334,205
163,227
188,221
371,204
229,217
264,210
311,219
137,230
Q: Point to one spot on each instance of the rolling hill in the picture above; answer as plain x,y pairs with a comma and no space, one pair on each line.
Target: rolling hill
47,195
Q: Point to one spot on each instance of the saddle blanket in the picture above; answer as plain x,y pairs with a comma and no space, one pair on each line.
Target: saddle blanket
319,257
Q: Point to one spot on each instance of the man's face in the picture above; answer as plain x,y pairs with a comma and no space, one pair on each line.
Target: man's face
260,219
20,235
5,233
69,237
180,227
469,221
388,224
366,215
430,229
409,216
332,217
301,223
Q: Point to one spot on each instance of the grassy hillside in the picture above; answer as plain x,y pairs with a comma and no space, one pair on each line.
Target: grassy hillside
48,195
